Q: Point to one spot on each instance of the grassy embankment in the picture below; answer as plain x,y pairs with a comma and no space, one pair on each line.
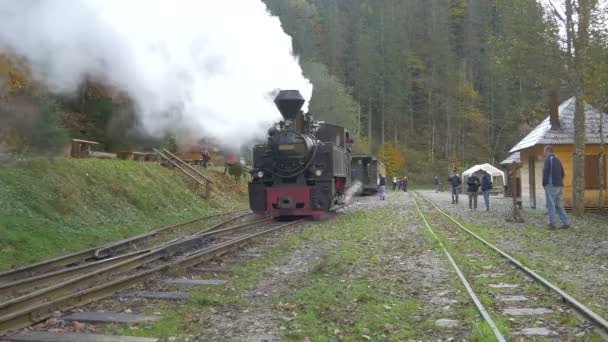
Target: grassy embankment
50,207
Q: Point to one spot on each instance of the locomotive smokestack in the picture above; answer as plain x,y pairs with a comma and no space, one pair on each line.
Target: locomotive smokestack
289,103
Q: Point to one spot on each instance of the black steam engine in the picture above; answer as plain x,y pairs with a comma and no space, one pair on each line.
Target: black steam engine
304,168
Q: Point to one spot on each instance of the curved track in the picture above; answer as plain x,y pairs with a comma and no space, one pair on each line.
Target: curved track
76,286
507,312
97,253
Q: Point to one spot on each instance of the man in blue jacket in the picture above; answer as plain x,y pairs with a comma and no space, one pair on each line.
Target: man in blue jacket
486,186
553,182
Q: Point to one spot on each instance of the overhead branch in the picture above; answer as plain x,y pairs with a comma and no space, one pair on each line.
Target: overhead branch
556,13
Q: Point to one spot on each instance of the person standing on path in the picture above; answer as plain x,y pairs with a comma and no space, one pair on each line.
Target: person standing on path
455,181
205,157
394,183
382,187
553,182
486,186
404,184
436,183
473,186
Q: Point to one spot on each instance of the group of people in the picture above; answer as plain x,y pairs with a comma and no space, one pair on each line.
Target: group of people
400,183
553,183
473,185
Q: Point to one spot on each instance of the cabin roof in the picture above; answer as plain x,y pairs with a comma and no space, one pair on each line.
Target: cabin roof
544,135
515,157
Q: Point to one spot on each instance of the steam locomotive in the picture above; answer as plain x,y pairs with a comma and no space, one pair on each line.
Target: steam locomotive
304,167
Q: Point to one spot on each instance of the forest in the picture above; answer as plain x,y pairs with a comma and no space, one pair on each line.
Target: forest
444,83
430,85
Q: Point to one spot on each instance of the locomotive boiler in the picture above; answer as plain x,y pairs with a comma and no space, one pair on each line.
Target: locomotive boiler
304,167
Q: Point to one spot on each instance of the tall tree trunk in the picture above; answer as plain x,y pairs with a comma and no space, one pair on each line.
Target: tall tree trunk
396,138
580,42
359,119
578,172
369,121
383,79
447,130
431,137
382,116
602,165
491,131
411,110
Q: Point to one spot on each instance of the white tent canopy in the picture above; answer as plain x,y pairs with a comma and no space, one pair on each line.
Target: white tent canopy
491,170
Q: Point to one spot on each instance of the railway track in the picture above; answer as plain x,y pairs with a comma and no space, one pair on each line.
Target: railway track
69,287
141,248
102,252
513,300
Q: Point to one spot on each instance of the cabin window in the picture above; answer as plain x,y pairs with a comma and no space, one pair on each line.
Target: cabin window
592,174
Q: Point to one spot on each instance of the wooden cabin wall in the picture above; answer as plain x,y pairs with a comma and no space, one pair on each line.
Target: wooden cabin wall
564,153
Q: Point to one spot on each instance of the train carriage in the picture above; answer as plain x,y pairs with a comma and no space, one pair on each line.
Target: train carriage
366,169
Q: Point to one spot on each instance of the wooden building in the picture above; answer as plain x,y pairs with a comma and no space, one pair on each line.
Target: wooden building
558,130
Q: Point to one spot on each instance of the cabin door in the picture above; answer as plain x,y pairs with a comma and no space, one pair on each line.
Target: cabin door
532,173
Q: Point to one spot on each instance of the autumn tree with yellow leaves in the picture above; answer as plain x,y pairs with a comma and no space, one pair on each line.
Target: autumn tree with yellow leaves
13,75
392,158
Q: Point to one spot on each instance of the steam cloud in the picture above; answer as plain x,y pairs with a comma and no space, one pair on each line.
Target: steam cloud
195,65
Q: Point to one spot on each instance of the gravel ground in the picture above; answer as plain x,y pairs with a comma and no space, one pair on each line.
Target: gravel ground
402,255
576,259
407,260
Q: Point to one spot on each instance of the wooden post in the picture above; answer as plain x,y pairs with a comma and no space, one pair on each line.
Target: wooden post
515,214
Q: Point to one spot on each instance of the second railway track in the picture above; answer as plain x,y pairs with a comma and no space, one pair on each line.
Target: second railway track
513,299
108,250
30,278
65,288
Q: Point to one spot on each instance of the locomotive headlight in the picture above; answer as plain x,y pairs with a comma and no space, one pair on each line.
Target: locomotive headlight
260,174
319,172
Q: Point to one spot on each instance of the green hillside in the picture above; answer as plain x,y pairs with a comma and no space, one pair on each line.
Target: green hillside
53,206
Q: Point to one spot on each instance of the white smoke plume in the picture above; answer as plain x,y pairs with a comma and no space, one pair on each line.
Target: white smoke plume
205,66
352,190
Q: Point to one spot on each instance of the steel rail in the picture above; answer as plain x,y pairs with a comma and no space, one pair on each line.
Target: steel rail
36,313
65,260
104,274
20,286
484,313
113,248
590,314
